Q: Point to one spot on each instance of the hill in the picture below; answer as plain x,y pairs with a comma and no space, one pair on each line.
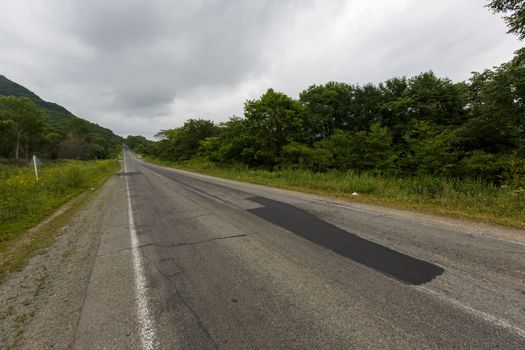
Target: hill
63,121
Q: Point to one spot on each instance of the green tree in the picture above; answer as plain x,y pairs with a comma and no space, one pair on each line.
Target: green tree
305,157
430,149
514,11
234,143
497,109
140,144
22,119
423,97
329,108
394,111
366,107
379,153
51,143
362,150
424,124
437,100
272,122
183,143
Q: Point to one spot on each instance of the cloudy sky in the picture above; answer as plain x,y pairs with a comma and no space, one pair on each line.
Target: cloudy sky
138,66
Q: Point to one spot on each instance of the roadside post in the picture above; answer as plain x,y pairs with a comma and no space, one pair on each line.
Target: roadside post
35,162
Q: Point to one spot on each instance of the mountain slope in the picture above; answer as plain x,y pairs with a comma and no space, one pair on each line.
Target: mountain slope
60,118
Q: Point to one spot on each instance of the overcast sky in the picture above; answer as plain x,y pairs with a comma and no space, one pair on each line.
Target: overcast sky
138,66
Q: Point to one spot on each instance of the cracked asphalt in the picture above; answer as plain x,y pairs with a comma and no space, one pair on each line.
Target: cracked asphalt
230,265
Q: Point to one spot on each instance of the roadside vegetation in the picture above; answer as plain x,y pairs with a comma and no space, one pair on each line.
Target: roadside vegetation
403,127
462,198
424,142
24,202
68,147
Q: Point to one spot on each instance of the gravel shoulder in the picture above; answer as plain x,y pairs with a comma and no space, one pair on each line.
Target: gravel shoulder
40,305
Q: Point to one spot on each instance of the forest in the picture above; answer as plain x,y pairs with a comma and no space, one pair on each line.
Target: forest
418,126
422,125
30,125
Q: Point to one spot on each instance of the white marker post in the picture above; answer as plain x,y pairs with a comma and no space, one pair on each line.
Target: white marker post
35,166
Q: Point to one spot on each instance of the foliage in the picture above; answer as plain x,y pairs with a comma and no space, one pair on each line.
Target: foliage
430,149
183,143
329,107
305,157
515,14
423,125
56,134
21,121
272,122
469,198
25,201
360,150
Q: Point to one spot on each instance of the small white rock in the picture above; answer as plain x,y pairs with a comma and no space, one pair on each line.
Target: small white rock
355,194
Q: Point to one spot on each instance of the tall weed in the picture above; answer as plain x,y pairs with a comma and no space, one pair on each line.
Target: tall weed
25,201
504,204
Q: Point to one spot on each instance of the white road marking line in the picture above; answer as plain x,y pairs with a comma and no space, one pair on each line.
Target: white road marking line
479,314
147,330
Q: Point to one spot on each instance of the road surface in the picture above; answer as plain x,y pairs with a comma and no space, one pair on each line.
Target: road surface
193,262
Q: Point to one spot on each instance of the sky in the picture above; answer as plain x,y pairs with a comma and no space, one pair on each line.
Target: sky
139,66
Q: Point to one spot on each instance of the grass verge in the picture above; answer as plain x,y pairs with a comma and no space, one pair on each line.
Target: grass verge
24,203
459,198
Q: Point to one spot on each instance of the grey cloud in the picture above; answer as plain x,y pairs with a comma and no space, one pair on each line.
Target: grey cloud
111,26
147,50
126,63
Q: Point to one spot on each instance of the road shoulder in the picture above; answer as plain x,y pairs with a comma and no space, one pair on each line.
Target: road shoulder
41,304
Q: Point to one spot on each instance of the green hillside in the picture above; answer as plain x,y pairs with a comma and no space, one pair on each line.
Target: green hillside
102,140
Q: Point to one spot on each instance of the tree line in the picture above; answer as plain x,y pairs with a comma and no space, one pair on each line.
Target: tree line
403,126
25,129
30,125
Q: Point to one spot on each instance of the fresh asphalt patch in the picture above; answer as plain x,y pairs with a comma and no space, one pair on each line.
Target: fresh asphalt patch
380,258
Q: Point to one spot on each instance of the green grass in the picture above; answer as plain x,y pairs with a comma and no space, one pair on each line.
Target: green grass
24,203
463,198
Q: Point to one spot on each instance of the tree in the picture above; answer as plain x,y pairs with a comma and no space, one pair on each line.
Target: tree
424,124
74,147
272,122
365,109
430,149
329,108
515,18
436,100
393,110
51,141
303,156
183,143
140,144
22,119
497,109
362,150
7,137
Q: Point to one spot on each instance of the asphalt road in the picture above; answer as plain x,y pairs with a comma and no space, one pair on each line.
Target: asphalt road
194,262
